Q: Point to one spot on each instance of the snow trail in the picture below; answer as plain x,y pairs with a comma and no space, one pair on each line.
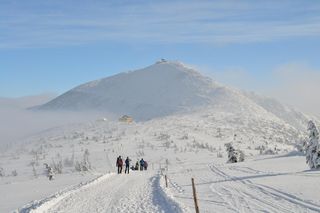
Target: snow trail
136,192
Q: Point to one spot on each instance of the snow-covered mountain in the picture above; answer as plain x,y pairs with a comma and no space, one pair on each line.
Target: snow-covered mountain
160,89
166,88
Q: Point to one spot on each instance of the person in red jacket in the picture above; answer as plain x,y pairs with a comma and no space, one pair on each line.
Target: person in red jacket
119,164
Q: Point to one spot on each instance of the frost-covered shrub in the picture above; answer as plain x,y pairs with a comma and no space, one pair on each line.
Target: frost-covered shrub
163,136
14,173
2,173
269,152
312,147
57,166
196,145
261,149
185,137
234,155
85,164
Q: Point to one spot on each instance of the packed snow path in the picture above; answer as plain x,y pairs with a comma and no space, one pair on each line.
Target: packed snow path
136,192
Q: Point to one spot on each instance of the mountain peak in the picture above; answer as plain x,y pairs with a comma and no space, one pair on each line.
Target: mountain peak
169,62
176,64
174,68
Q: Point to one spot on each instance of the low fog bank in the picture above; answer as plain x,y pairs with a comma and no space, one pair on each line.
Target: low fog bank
26,101
17,124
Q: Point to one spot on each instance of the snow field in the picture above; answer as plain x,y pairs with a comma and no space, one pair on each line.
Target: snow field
245,188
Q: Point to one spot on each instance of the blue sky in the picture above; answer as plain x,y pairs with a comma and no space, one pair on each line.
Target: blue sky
54,45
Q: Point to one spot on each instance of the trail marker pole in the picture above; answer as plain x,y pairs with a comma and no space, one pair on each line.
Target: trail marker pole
165,177
195,196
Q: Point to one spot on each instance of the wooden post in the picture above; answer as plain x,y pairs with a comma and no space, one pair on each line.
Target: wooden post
165,177
195,196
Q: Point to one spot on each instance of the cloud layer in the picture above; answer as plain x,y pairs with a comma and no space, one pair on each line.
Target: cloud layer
38,23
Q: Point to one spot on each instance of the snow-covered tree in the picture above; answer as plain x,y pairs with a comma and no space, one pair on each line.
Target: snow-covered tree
312,147
234,155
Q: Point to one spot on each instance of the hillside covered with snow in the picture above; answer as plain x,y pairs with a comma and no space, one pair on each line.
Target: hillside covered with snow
166,88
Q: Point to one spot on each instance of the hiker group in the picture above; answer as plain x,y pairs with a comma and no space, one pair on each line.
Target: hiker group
140,165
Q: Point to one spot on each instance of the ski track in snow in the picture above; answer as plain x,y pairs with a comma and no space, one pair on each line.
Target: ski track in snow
136,192
240,195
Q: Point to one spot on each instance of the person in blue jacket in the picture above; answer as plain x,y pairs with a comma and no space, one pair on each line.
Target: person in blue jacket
141,164
127,162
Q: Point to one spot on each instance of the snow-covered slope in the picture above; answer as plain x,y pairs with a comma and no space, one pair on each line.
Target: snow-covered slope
166,88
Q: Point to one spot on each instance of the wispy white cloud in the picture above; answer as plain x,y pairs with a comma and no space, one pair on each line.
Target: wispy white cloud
49,23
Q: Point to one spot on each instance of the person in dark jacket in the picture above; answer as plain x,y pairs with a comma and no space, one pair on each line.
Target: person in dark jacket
127,162
119,164
141,164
